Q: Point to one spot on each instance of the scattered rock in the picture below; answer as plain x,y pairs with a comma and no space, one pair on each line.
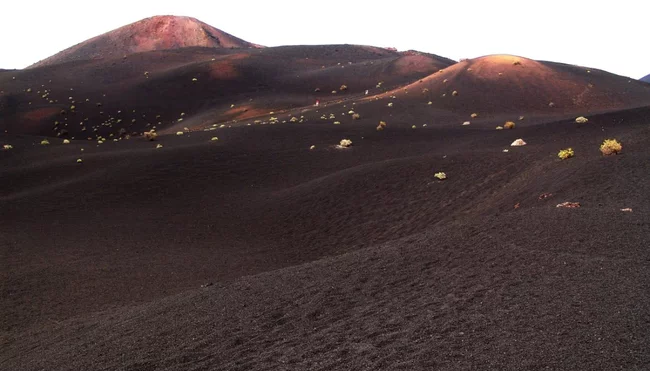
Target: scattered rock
627,210
518,143
570,205
582,120
345,143
466,123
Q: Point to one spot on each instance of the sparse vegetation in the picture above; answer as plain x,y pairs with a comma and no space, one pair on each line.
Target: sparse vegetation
356,116
466,123
343,88
582,120
551,104
509,125
312,147
440,175
159,145
150,135
45,142
214,139
474,115
381,126
516,63
565,153
499,127
610,147
180,133
7,147
79,160
390,104
518,143
454,93
66,141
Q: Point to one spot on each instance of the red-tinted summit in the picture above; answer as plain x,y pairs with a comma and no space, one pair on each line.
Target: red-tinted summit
155,33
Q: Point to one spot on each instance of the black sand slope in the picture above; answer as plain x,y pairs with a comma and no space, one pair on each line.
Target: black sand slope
242,238
195,87
328,258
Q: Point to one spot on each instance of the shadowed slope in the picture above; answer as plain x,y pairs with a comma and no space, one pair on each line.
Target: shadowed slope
155,33
206,85
429,274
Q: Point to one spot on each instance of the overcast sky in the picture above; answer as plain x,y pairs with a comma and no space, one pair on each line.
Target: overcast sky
612,37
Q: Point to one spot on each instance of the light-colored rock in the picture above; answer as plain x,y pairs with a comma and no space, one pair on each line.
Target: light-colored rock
345,143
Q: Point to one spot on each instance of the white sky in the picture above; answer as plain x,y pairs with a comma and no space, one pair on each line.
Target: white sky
612,36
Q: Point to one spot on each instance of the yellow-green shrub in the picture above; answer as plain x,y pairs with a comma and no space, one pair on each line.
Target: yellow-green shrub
610,147
565,153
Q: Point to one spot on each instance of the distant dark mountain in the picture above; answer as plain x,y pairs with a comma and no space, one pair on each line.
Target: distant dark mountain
645,79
